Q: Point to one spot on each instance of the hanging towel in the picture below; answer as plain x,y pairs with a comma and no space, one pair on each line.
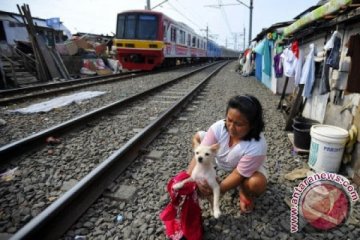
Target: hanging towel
308,72
182,216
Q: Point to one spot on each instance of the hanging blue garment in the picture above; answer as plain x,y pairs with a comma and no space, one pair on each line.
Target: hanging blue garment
267,57
308,73
334,57
258,66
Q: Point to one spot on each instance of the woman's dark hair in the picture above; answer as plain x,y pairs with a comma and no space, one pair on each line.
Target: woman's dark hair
251,108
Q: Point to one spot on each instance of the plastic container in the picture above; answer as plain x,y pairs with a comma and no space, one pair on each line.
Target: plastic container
301,130
327,147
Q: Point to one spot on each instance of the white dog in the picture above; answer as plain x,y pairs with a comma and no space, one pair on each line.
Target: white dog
204,170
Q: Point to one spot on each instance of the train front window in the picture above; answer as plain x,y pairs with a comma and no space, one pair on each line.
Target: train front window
147,27
137,26
130,26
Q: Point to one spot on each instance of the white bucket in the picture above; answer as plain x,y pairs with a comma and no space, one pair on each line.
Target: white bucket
327,147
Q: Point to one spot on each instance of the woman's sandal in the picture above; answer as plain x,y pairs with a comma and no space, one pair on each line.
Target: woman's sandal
247,202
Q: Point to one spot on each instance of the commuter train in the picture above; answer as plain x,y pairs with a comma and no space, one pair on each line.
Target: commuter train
148,39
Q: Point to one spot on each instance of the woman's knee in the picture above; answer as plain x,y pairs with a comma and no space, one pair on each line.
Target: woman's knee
256,184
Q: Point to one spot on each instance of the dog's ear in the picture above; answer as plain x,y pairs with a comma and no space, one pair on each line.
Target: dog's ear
215,147
195,143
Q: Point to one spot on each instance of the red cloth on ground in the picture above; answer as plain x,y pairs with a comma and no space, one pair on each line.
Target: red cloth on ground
182,216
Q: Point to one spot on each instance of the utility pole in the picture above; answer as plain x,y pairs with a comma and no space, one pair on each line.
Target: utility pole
244,39
148,6
250,20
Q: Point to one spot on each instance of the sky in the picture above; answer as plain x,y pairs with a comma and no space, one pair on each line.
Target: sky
226,24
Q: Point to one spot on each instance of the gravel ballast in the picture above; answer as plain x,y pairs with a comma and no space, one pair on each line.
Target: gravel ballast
138,217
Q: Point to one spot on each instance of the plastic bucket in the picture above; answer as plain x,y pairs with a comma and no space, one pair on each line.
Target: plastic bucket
305,121
301,136
327,147
301,130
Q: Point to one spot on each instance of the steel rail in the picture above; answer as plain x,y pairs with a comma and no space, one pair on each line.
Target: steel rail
4,93
69,85
110,78
7,100
59,216
19,147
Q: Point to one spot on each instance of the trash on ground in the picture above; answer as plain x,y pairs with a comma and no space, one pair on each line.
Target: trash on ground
119,218
52,140
297,174
8,175
58,102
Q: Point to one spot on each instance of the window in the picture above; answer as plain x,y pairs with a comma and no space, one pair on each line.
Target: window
182,37
130,26
193,42
147,27
173,34
189,40
136,26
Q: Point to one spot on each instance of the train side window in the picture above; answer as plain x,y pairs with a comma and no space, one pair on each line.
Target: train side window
197,45
189,40
182,37
193,42
173,34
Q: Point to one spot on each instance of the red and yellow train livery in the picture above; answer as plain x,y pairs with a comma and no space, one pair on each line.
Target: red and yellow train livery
148,39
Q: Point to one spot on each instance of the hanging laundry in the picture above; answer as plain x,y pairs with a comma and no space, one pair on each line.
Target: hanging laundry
334,56
289,62
295,48
263,48
353,84
298,67
308,72
278,66
324,81
340,76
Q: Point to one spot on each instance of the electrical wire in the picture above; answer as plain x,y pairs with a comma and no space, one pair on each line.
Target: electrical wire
176,10
225,18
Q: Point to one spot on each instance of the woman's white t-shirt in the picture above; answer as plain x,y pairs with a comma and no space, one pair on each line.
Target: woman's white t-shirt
246,156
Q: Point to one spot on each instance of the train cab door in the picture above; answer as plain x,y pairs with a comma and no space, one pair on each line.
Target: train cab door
166,38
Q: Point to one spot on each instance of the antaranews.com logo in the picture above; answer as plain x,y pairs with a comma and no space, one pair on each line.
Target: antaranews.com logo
324,200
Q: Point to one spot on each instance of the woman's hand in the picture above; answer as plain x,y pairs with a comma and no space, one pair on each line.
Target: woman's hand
204,188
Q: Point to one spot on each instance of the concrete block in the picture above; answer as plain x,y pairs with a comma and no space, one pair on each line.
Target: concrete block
173,131
124,193
68,185
154,154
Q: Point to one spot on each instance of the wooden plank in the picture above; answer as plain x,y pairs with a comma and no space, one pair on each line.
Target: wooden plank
283,93
295,107
49,61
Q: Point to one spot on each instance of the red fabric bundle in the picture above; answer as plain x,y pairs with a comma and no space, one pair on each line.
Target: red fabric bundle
295,48
182,216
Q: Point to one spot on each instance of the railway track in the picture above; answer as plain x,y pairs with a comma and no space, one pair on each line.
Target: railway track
21,125
13,96
144,114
